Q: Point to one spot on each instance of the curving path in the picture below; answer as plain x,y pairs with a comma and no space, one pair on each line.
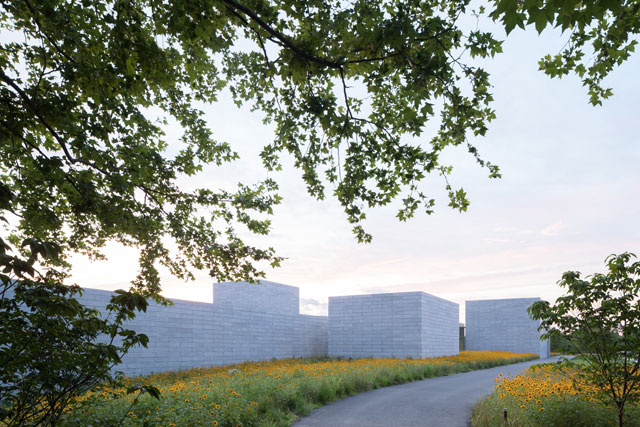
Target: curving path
434,402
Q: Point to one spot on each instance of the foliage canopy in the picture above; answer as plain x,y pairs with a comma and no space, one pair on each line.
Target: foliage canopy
86,87
602,35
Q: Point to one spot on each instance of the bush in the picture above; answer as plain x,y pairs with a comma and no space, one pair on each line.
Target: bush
53,348
547,396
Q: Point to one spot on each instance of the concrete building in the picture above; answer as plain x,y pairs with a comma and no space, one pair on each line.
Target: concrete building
236,328
503,325
262,322
407,324
267,297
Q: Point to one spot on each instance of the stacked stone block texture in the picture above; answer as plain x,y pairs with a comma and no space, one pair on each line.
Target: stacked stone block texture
503,325
249,322
440,327
268,297
194,334
406,324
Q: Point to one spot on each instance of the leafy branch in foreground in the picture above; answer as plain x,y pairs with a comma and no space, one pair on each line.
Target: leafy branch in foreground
54,348
86,90
601,36
602,318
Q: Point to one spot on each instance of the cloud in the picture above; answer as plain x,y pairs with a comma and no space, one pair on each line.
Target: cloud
513,230
314,306
495,240
552,229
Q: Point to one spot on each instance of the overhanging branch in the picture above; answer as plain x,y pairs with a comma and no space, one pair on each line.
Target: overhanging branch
8,80
281,37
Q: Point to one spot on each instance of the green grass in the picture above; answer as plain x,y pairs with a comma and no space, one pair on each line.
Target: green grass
264,393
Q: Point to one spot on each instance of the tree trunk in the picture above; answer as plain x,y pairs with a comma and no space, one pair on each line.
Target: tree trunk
620,413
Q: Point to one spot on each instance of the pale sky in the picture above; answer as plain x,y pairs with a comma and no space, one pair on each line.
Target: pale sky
569,197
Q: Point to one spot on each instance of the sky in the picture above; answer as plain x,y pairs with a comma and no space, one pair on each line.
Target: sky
568,198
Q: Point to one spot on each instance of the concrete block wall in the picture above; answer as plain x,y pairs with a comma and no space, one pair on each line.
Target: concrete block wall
267,296
377,325
503,325
248,324
440,326
406,324
193,334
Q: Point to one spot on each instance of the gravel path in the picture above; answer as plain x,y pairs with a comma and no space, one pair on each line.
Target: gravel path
435,402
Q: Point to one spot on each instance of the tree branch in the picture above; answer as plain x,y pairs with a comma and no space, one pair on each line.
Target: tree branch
35,147
61,142
44,34
281,37
8,80
344,91
283,41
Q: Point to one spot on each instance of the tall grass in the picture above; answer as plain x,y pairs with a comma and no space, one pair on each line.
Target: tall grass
271,393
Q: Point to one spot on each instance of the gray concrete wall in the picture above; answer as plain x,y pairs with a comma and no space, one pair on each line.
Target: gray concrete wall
503,325
378,325
440,326
193,334
406,324
261,322
267,297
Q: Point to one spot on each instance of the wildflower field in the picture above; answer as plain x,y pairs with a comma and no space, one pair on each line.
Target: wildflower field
544,396
272,393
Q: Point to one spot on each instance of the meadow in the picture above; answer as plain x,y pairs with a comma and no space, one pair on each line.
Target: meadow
272,393
544,396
